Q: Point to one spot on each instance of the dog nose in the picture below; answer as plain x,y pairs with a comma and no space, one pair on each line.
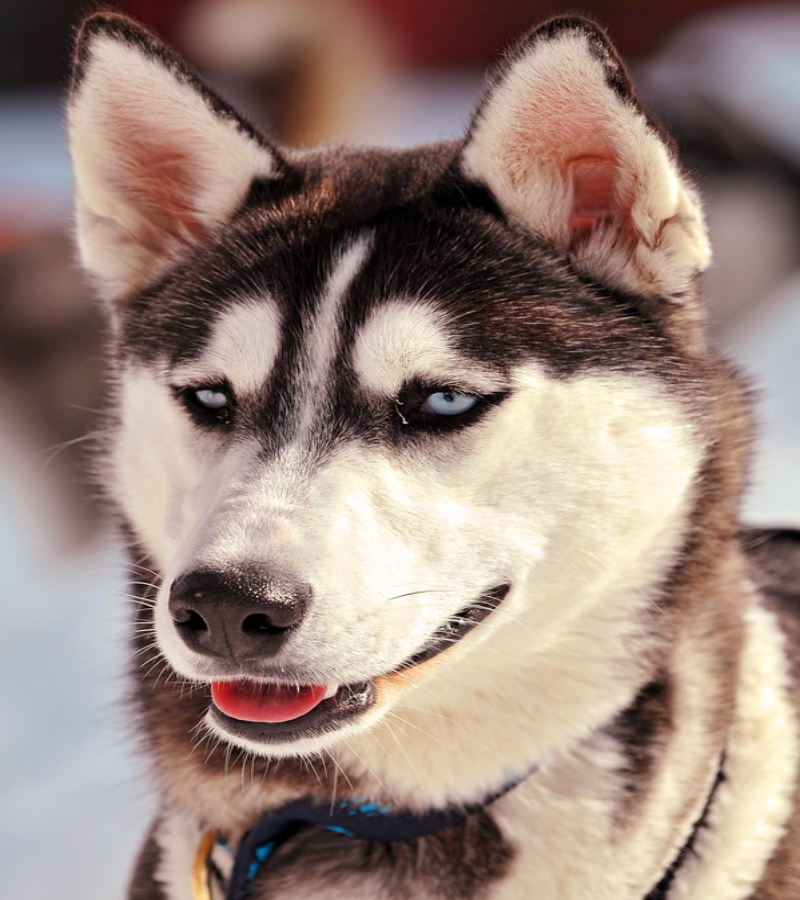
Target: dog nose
239,616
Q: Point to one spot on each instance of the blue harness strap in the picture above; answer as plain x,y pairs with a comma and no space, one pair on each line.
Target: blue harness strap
369,821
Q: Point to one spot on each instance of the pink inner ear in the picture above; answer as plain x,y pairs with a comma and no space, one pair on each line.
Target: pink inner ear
160,181
165,187
594,201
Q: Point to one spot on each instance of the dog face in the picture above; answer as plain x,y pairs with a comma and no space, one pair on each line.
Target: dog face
391,424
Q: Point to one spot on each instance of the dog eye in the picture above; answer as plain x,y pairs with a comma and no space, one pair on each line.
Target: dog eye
209,405
211,398
442,410
448,403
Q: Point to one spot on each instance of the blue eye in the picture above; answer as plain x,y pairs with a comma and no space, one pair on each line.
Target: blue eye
448,403
211,406
211,399
424,410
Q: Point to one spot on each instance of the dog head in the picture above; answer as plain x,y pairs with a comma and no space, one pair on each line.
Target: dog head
403,432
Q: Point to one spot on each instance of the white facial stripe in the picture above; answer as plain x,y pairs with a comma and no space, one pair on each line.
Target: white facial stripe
407,340
321,342
243,347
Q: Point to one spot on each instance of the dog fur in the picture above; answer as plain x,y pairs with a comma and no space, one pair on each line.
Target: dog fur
449,416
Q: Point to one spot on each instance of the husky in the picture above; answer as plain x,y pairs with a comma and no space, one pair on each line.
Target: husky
431,481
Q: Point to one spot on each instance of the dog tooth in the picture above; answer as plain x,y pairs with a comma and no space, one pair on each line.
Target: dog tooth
332,689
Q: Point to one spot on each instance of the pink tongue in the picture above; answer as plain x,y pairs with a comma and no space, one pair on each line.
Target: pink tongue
252,701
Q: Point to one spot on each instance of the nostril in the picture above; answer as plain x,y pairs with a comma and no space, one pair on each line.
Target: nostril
258,623
189,620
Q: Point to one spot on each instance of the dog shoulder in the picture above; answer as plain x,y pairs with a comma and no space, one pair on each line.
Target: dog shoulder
774,556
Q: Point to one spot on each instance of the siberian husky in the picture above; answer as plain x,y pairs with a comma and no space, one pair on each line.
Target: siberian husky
432,479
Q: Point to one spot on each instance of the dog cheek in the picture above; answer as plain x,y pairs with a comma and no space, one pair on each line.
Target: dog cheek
155,463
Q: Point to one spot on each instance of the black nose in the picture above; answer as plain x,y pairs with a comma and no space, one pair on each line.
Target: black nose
238,616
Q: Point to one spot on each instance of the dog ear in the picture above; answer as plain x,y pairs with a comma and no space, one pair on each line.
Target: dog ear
159,160
562,143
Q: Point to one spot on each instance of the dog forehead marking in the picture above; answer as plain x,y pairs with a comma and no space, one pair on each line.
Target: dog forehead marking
322,334
398,340
405,340
243,347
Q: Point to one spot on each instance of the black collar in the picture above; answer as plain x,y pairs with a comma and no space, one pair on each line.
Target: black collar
369,821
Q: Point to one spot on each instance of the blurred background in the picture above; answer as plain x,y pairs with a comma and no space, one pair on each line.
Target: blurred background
724,77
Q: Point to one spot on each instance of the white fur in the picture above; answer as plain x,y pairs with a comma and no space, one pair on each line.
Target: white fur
155,459
546,499
553,111
127,110
404,340
563,475
242,349
566,813
323,333
684,776
754,802
178,836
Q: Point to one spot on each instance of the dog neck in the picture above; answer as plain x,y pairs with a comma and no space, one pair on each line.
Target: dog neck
365,820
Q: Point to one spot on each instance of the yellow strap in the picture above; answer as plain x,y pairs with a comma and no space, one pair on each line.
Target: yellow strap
200,870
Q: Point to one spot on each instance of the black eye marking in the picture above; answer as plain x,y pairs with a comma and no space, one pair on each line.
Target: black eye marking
209,405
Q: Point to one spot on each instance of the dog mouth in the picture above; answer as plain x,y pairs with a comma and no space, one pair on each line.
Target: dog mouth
271,712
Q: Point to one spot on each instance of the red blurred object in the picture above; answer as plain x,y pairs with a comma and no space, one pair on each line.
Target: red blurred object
164,18
472,32
464,32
